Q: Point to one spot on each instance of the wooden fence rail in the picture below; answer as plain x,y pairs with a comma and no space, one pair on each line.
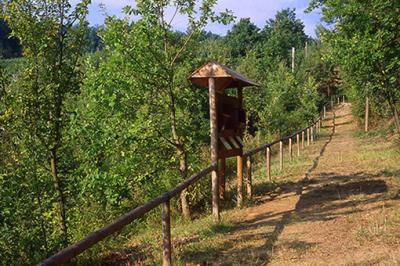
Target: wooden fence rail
95,237
74,250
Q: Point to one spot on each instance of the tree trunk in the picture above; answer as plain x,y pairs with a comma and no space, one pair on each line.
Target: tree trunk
183,170
61,198
180,147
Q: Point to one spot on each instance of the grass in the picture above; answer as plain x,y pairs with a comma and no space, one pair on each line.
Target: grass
381,227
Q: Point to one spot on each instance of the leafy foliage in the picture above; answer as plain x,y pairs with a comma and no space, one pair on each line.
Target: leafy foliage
365,44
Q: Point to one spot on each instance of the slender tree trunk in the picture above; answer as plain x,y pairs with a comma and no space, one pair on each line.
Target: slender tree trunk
183,163
61,198
183,170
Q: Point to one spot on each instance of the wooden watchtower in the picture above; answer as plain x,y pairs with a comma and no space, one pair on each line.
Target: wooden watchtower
227,121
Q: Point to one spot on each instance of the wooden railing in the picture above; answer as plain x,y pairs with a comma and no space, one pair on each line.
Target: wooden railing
95,237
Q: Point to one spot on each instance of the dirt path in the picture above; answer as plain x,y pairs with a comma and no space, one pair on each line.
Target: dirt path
347,213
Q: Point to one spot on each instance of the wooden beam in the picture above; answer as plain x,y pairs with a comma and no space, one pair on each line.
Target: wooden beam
366,113
225,143
281,155
268,163
222,174
312,134
248,179
166,231
214,147
298,144
239,195
293,58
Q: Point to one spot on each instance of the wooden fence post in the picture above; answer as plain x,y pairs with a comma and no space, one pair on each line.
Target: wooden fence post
308,136
312,134
281,155
316,129
302,139
248,180
298,144
214,147
268,163
366,113
166,231
239,195
222,173
324,111
290,148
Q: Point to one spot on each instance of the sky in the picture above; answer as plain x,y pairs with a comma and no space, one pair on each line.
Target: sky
259,11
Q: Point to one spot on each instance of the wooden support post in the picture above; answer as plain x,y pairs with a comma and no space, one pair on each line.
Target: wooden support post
293,57
166,231
306,50
281,155
302,139
308,136
239,196
366,113
315,131
214,147
312,134
268,163
298,144
290,149
338,100
222,173
248,179
324,111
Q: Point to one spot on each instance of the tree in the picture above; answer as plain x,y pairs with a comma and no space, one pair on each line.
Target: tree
243,37
154,62
51,34
281,34
93,41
